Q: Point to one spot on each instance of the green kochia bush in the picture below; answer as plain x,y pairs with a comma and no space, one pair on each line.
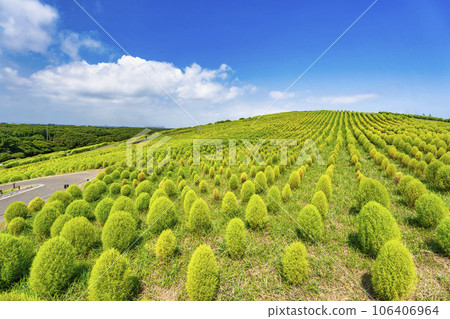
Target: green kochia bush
124,203
35,205
111,278
430,209
202,275
17,225
59,223
142,202
230,207
75,191
15,259
162,215
199,216
80,233
376,226
126,190
44,221
256,212
169,187
103,209
443,178
273,200
91,193
53,267
294,262
80,207
324,185
320,201
413,190
394,273
235,238
165,245
114,189
294,180
443,235
247,190
233,182
260,183
372,190
16,209
143,187
64,197
189,199
119,232
310,224
403,183
157,194
286,193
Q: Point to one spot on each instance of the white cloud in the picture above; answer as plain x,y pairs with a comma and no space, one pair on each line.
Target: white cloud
26,25
341,99
72,42
276,95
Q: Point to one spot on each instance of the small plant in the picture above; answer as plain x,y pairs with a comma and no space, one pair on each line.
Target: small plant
199,216
169,188
233,182
403,182
286,193
15,259
114,189
274,199
119,232
126,190
80,207
431,210
247,190
394,273
16,209
235,238
162,215
397,177
17,225
143,187
294,262
80,233
270,175
62,196
443,178
202,275
91,193
324,185
124,204
203,187
443,235
413,190
58,224
75,191
157,194
165,245
256,212
260,183
44,220
189,199
294,180
372,190
35,205
103,209
230,207
320,201
391,170
142,203
310,224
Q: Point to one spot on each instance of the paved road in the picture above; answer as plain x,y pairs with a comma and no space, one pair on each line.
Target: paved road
45,187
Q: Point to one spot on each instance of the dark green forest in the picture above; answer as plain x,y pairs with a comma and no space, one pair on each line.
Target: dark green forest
24,140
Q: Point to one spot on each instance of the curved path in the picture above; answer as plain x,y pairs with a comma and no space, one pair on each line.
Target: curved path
44,187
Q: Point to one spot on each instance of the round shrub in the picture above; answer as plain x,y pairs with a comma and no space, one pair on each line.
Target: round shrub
119,232
157,194
376,226
443,235
270,175
372,190
431,210
75,191
44,221
169,187
247,190
103,209
16,209
114,189
91,193
398,177
256,212
126,190
162,215
310,224
324,185
53,267
273,199
203,187
108,179
35,205
391,170
443,178
125,175
15,259
260,183
80,207
143,187
394,273
199,216
216,195
141,176
62,196
233,182
235,238
111,278
58,224
413,190
165,245
230,207
124,203
432,169
320,201
294,262
142,202
294,180
403,182
189,199
80,233
286,193
16,226
202,275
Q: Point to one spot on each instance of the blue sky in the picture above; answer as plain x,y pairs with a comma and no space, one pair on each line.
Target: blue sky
218,60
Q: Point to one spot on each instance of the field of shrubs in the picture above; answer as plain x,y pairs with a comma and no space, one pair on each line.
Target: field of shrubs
326,205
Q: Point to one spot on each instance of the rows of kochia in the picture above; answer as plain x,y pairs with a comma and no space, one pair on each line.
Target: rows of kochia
123,207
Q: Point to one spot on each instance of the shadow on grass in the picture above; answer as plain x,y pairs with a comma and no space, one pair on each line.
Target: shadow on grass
412,221
353,241
366,283
433,245
353,210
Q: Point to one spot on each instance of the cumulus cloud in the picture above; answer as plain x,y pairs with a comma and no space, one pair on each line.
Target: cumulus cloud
275,95
72,42
341,99
26,25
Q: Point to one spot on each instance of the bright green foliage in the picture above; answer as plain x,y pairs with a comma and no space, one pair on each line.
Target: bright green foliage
119,232
320,201
35,205
114,189
126,190
443,178
166,245
394,273
247,190
91,193
44,220
157,194
111,278
58,224
75,191
256,212
17,296
199,216
230,207
294,180
162,215
286,193
403,182
189,199
15,259
80,233
125,204
17,225
391,170
80,207
233,182
273,199
432,169
413,190
202,275
294,262
431,210
324,185
443,235
310,224
260,183
16,209
53,267
376,226
203,187
372,190
125,175
270,175
169,187
103,209
235,238
142,202
143,187
62,196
